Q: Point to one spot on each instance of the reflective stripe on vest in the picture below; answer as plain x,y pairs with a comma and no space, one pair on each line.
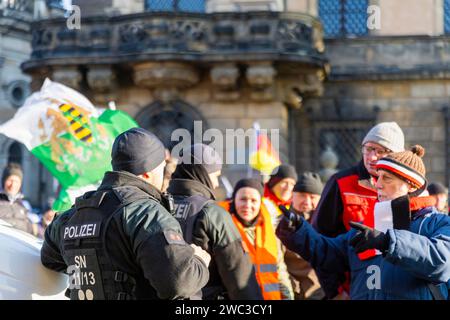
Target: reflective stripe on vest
267,267
271,287
274,211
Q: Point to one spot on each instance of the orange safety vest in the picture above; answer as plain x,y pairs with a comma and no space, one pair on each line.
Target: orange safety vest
225,204
263,254
273,210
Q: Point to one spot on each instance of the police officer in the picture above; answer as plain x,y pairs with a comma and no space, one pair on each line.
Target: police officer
211,227
120,241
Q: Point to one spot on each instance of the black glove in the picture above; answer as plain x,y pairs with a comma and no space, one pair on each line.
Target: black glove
289,224
367,238
295,220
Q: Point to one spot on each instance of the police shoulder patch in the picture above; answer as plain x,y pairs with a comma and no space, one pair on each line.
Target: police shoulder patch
173,237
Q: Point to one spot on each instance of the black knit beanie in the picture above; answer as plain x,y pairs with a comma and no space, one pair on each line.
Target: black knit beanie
137,151
309,182
282,172
251,183
436,188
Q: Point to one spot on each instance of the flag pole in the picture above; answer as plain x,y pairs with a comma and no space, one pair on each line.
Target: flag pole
256,128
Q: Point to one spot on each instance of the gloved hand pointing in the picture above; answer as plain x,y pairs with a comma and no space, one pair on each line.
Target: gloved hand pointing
289,224
368,238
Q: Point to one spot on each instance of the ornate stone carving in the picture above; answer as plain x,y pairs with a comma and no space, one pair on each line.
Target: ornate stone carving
294,30
101,78
260,77
167,50
102,81
69,76
41,38
313,83
158,33
292,97
175,36
132,33
165,74
225,76
189,30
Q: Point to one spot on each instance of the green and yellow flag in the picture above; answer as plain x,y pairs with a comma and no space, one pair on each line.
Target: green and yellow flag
69,136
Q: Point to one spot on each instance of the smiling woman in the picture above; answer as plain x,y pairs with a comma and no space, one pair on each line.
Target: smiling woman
254,222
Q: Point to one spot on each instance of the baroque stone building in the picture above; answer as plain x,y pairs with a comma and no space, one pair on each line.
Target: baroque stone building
169,68
397,72
314,69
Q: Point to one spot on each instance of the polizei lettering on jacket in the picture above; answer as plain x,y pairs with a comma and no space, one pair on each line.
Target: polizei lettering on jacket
88,230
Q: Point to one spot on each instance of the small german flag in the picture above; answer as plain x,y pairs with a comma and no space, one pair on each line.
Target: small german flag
78,123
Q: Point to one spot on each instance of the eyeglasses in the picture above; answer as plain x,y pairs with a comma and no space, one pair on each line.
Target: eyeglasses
379,152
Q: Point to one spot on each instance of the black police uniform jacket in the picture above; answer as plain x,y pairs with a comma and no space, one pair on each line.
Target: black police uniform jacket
232,274
119,242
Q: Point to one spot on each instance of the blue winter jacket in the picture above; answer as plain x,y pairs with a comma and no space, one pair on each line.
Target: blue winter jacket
415,258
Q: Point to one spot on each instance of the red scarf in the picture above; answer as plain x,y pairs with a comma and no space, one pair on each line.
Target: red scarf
268,193
418,203
415,204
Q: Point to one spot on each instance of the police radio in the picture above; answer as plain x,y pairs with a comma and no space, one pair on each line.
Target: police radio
168,202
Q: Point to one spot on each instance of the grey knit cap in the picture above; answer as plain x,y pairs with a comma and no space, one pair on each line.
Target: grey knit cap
388,135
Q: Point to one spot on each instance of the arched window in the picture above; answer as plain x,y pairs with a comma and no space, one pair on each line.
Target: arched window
164,118
15,153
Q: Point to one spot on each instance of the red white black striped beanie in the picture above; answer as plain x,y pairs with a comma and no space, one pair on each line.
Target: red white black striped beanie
407,165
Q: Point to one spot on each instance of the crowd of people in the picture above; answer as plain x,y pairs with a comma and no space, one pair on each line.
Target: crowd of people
377,230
